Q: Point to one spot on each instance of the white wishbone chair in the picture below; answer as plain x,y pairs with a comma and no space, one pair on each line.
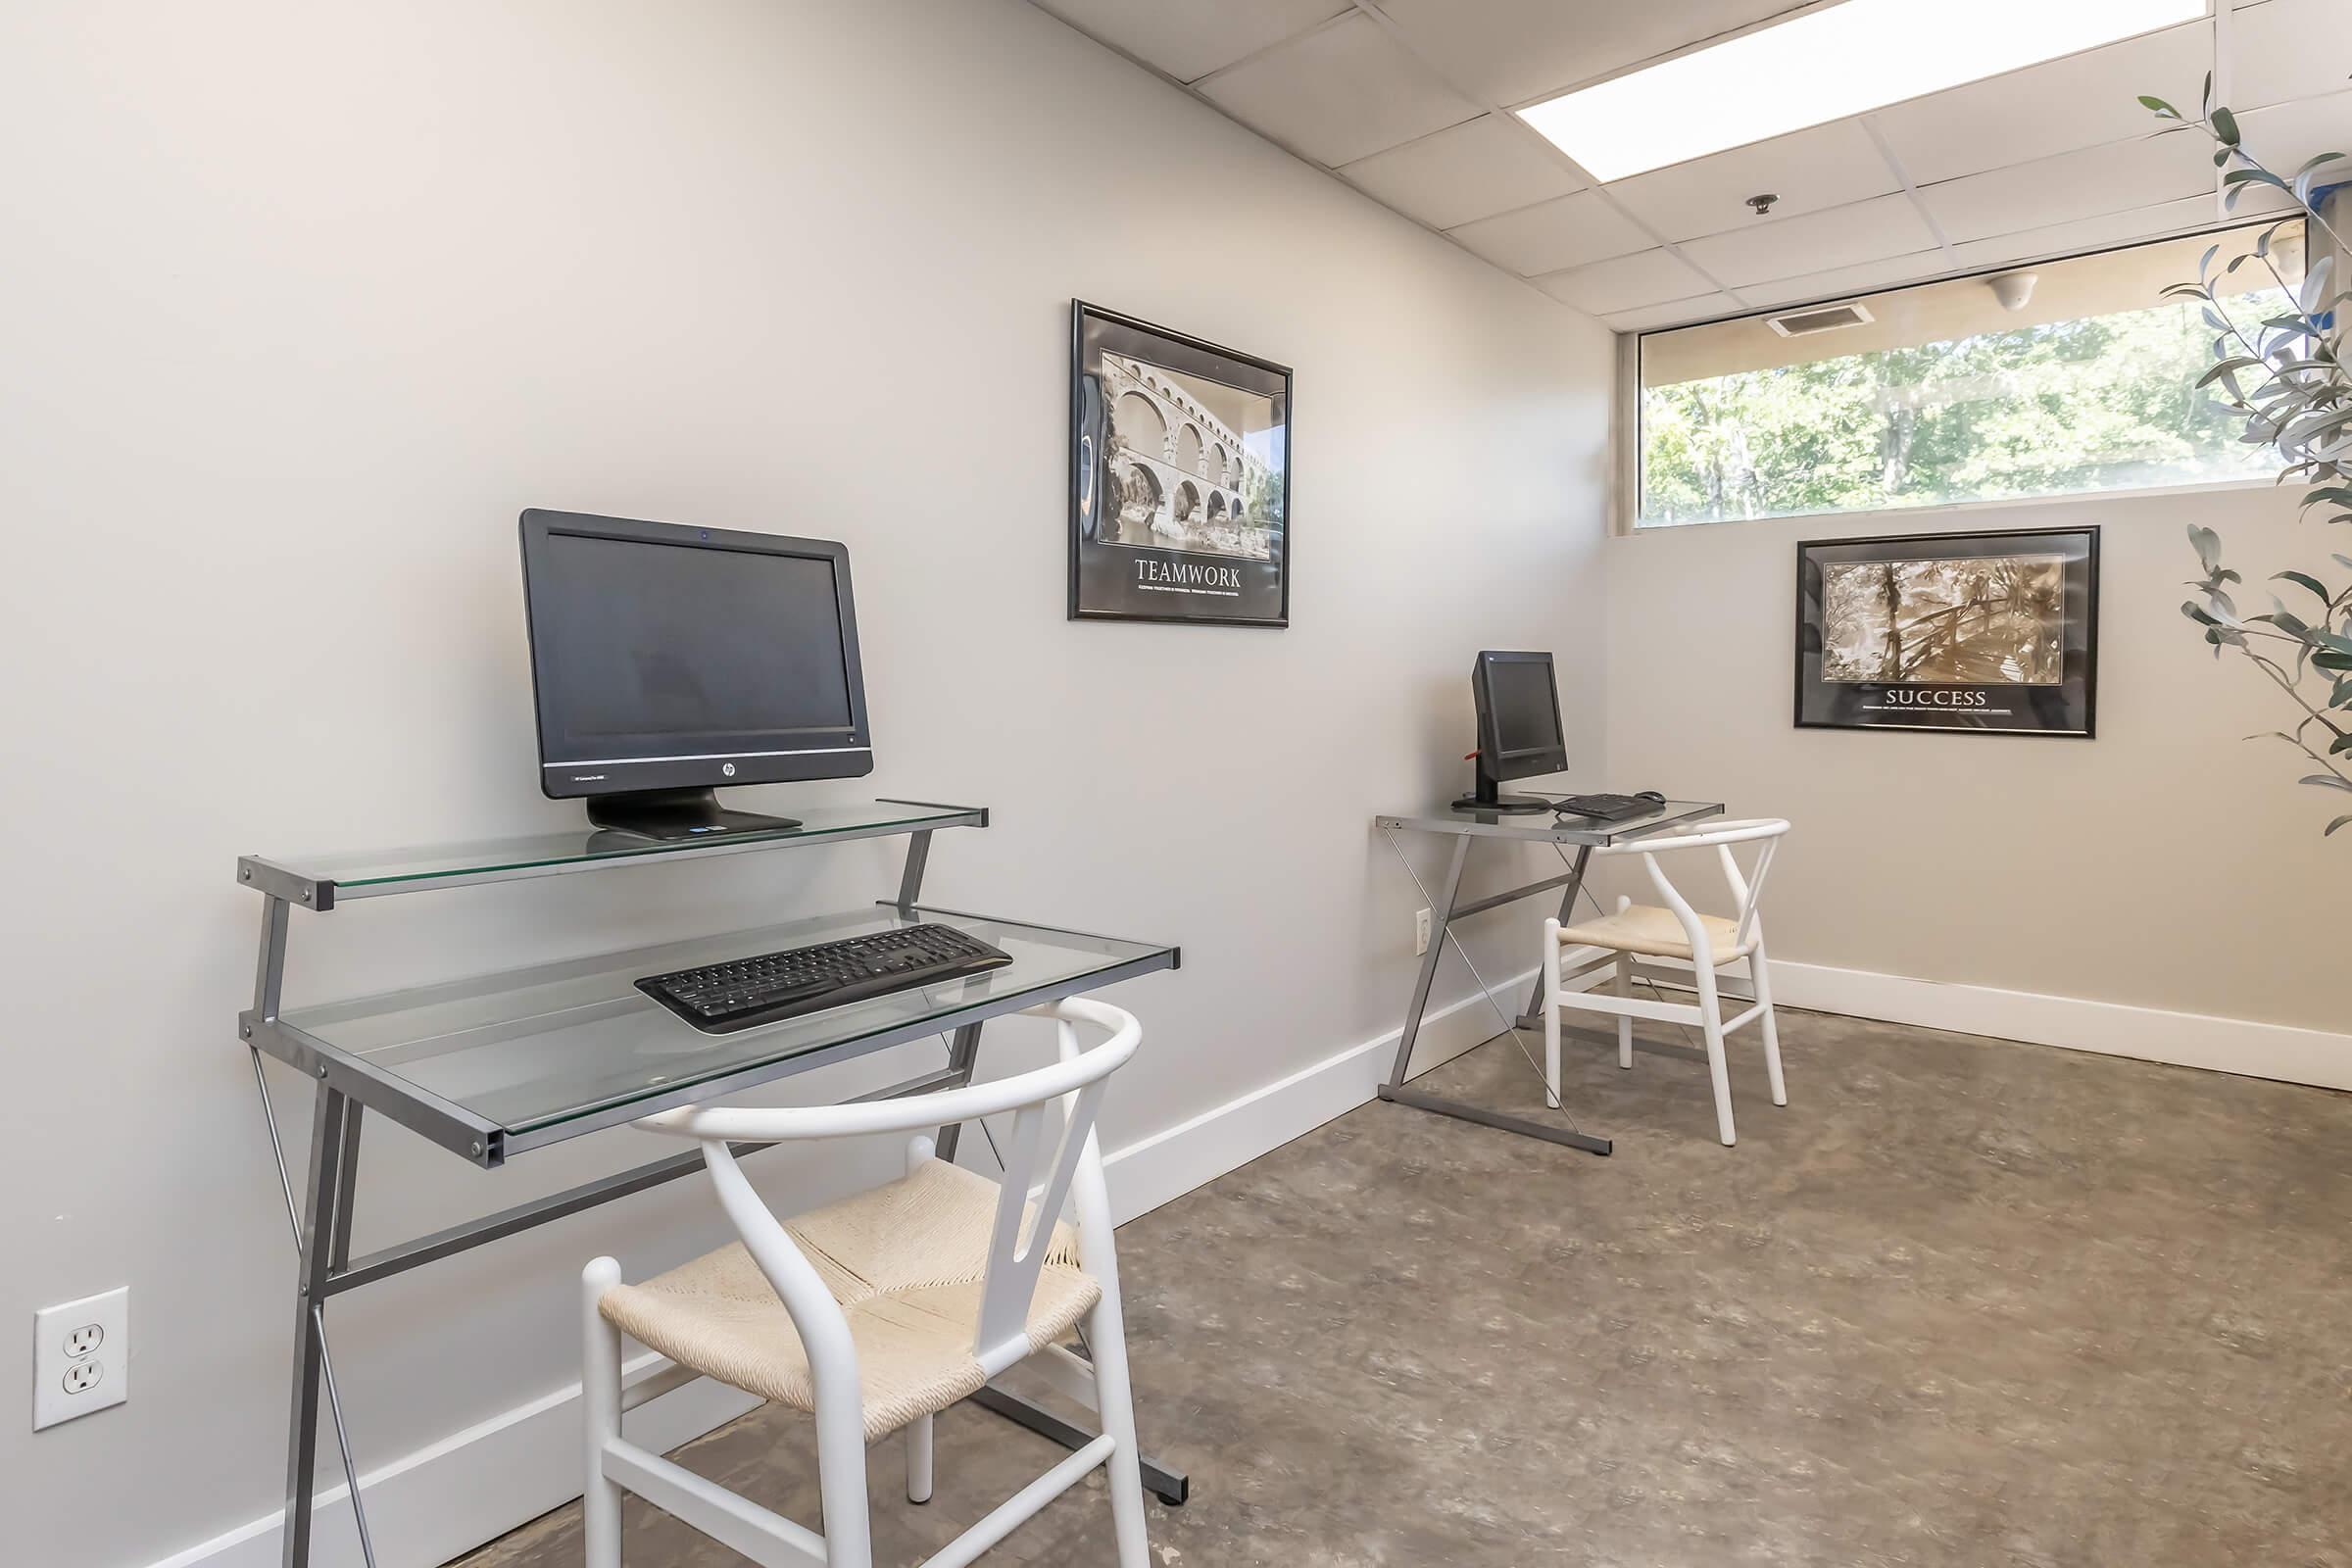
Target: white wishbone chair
876,1313
1579,956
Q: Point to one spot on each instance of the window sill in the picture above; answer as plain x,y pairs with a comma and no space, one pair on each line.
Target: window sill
1960,509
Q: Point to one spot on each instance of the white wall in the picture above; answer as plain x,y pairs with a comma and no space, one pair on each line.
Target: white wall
306,300
2169,863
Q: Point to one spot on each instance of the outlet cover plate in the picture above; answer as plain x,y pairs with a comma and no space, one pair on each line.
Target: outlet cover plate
56,1332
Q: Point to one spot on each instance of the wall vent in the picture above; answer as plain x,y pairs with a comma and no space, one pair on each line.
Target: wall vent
1818,319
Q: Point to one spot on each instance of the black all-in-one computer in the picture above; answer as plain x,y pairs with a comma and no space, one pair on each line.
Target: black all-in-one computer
1520,736
670,660
1519,732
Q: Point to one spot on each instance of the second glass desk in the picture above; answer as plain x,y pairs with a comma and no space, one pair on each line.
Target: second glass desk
1586,834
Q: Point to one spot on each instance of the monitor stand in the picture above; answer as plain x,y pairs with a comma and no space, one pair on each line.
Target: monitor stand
676,814
1486,798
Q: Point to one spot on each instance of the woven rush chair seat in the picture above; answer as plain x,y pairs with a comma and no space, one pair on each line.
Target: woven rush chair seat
907,1261
1656,933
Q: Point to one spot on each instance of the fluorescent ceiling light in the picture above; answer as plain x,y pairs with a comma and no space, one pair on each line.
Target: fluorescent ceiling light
1841,59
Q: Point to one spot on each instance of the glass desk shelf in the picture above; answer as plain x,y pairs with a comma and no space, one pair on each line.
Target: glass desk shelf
497,1063
320,882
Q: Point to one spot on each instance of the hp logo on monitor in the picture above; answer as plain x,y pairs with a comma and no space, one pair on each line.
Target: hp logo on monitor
728,768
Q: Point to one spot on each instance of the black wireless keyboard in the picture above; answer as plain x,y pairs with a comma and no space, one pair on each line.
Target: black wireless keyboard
1607,807
719,998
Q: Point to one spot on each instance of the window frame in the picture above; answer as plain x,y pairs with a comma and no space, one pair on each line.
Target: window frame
1626,407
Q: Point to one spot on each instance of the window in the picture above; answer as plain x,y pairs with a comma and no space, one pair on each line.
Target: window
1954,391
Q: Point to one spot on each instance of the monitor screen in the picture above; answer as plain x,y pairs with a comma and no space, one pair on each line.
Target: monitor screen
1527,715
668,657
672,640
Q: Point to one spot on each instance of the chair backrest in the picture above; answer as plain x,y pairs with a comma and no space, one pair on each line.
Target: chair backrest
1018,1242
1748,887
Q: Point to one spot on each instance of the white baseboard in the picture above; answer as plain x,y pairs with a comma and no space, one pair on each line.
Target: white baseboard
1171,1164
474,1485
471,1487
2110,1028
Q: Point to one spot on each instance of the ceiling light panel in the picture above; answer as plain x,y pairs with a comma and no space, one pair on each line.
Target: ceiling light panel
1841,59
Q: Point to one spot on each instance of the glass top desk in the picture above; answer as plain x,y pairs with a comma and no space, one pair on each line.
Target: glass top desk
1585,834
495,1064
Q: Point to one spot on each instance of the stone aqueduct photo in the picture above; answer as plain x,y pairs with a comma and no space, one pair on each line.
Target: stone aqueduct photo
1179,476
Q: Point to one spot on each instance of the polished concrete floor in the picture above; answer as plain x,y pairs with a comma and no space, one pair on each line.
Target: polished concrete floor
1962,1302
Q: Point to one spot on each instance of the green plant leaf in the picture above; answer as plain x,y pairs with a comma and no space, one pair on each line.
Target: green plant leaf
2208,546
2333,826
2315,285
2302,580
2162,109
2327,781
2225,126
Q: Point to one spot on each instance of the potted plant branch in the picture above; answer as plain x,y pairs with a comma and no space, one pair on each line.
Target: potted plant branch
2282,376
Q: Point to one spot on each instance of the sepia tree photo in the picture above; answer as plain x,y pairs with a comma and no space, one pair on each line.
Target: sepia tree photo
1987,633
1982,620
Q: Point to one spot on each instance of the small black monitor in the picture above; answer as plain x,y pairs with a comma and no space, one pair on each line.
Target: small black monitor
669,659
1519,731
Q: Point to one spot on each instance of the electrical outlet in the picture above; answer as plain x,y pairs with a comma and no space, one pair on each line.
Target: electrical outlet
81,1356
1420,932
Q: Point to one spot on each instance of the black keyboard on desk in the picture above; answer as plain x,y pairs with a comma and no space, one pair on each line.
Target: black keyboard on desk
722,997
1608,808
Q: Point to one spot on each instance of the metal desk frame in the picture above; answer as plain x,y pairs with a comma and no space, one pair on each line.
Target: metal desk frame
346,1086
1586,834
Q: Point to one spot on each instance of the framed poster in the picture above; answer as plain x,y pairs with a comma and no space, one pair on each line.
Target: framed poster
1989,633
1180,477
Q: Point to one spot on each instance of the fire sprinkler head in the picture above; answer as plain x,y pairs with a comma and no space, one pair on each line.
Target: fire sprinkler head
1762,203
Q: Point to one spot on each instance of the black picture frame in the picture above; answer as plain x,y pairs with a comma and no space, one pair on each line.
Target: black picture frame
2034,658
1196,532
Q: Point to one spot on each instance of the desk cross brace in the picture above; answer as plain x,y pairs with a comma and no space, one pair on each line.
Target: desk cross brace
1448,909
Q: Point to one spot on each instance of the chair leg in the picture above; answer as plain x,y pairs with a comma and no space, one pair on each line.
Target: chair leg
1107,1336
1624,1025
600,1408
1759,973
841,1470
918,1432
918,1460
1710,1013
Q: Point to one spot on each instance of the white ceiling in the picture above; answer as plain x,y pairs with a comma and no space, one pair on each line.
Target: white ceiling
1409,101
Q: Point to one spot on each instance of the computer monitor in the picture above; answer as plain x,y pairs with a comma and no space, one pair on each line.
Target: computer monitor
669,659
1519,733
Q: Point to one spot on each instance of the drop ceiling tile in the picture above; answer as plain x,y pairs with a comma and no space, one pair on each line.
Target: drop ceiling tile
1862,278
1622,282
1188,40
2081,101
1512,51
2287,136
1827,166
2090,234
2289,49
1475,170
2112,178
1790,247
1565,232
1675,313
1338,93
